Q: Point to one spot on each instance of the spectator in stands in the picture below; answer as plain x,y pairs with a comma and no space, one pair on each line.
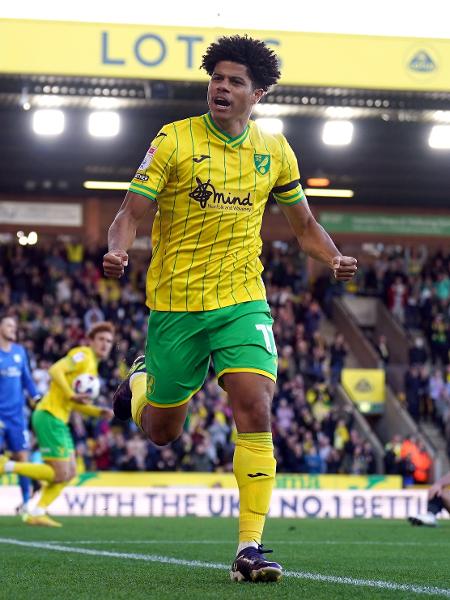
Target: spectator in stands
413,390
167,460
295,459
311,318
201,460
341,435
382,349
397,298
338,352
313,461
407,453
418,354
422,463
393,462
442,286
439,340
93,315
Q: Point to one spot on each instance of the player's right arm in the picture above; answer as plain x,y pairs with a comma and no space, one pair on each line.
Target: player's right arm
140,201
437,488
122,232
58,372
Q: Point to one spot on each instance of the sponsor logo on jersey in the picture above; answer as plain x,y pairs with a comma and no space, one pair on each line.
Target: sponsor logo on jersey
208,197
78,357
262,163
148,158
141,177
200,158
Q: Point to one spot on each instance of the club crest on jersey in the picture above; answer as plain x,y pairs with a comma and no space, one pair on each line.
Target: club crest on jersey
262,163
148,158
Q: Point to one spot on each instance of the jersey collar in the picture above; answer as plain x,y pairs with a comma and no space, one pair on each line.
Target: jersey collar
234,142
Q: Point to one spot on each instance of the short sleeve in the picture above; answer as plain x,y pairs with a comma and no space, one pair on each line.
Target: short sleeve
154,171
287,189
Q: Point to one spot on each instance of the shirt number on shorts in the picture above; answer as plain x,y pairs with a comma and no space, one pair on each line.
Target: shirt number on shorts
269,340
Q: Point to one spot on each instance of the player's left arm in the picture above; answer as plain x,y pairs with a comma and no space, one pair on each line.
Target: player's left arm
311,236
315,241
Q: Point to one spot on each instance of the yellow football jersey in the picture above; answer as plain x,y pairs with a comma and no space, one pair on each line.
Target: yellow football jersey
80,359
211,191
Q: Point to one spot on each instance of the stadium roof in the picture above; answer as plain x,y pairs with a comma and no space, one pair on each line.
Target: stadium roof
389,161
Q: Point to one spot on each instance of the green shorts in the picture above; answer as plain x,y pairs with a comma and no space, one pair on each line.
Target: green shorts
53,435
180,345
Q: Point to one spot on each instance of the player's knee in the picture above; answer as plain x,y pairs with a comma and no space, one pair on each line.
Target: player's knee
64,474
162,436
162,427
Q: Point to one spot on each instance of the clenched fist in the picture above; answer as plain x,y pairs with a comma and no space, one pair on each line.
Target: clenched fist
114,263
344,267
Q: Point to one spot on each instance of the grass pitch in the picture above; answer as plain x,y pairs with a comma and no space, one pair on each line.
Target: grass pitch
174,558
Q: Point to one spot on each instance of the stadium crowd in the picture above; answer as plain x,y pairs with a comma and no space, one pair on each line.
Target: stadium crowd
415,286
57,292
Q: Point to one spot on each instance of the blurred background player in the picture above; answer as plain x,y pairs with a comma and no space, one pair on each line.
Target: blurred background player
51,417
15,377
209,177
438,499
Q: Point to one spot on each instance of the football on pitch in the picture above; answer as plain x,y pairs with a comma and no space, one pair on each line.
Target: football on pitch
87,384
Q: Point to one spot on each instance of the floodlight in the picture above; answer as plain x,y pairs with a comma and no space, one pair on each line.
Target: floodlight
48,122
104,123
270,125
440,137
337,133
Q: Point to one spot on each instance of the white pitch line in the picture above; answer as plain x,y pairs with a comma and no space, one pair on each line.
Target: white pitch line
271,542
373,583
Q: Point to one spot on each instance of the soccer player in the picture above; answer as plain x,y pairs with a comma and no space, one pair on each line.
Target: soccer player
15,376
438,499
50,419
208,179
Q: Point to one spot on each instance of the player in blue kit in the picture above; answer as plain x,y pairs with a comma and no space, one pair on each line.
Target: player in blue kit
15,377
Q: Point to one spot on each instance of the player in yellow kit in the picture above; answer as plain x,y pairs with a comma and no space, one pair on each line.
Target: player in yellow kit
50,419
207,179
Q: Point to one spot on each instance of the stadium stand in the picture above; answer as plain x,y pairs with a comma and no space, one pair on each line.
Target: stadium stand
57,291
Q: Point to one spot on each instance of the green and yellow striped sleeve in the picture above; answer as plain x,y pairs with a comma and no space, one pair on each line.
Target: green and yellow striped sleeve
287,189
154,171
289,194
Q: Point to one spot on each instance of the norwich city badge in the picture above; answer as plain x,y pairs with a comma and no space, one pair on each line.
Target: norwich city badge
262,163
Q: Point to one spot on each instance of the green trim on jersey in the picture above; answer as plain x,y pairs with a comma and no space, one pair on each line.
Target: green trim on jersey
140,189
290,197
223,135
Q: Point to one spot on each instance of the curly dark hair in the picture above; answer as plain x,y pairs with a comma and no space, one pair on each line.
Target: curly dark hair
261,62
